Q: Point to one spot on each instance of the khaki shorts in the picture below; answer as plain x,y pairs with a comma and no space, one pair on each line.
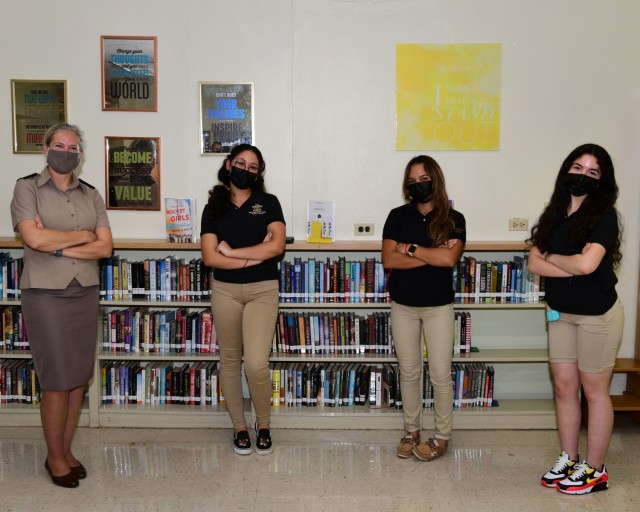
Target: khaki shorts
591,341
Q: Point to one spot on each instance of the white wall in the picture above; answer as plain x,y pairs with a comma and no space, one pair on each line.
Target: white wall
324,75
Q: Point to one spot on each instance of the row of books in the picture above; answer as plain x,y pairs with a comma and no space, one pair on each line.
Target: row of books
140,330
160,383
338,280
18,382
14,333
373,385
340,332
472,385
476,281
350,333
293,384
334,385
315,281
10,272
137,329
163,279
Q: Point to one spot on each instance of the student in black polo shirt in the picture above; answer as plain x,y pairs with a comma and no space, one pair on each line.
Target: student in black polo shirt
422,241
243,233
576,247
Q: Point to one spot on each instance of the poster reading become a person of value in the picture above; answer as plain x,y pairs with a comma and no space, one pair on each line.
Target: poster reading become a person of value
226,116
448,96
132,173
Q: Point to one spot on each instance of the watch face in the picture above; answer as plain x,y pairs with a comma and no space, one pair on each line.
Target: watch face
412,248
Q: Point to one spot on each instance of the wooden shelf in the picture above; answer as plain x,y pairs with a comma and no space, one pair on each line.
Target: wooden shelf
516,414
160,244
630,400
306,305
28,415
627,366
483,356
626,403
167,416
15,354
157,356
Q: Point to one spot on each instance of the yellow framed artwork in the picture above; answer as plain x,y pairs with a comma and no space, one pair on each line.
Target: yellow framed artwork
448,96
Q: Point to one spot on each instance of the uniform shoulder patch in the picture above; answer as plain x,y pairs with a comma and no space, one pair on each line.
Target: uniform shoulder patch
85,183
30,176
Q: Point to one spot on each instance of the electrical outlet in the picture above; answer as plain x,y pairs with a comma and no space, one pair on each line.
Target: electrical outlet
518,224
363,229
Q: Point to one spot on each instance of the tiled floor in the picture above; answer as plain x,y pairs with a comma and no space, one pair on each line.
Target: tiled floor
169,470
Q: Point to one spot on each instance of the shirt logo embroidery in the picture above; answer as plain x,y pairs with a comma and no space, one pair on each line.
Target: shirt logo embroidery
256,209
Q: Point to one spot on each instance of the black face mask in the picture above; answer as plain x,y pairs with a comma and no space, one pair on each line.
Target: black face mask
421,191
241,178
581,184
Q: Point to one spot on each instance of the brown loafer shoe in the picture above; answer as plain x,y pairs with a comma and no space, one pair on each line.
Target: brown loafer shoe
79,472
431,449
404,450
69,480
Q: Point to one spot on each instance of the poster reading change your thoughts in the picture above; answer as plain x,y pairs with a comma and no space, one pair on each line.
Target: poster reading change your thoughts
129,73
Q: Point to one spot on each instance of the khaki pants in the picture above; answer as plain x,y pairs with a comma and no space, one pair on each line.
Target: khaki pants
245,318
437,324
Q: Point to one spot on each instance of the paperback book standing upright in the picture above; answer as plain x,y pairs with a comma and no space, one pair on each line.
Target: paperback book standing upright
180,220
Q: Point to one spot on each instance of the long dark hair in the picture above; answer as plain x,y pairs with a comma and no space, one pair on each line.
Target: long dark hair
443,223
220,195
591,210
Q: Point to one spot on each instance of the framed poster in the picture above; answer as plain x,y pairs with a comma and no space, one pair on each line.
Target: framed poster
448,96
129,73
226,116
36,105
132,173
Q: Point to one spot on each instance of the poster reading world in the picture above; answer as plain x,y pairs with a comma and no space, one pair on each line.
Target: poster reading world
129,73
448,96
226,116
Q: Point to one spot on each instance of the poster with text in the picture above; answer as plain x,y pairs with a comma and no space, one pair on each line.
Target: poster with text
132,173
226,116
36,106
448,96
129,73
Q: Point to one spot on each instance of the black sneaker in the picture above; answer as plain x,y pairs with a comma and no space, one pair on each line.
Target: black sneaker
242,443
264,445
585,479
562,469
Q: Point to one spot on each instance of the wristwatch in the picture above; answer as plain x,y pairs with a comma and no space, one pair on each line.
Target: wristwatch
58,253
411,251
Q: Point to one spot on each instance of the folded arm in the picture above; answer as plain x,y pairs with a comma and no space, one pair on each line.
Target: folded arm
273,245
102,247
82,244
394,255
537,264
581,264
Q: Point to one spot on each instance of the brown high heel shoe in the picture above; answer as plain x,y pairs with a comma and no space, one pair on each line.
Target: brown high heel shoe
69,480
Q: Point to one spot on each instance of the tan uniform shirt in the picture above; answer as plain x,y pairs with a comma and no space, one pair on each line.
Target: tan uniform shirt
81,207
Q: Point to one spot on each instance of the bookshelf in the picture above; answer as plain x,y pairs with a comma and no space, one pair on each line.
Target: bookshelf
512,337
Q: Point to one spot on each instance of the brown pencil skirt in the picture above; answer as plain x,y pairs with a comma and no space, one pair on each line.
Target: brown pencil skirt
62,326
